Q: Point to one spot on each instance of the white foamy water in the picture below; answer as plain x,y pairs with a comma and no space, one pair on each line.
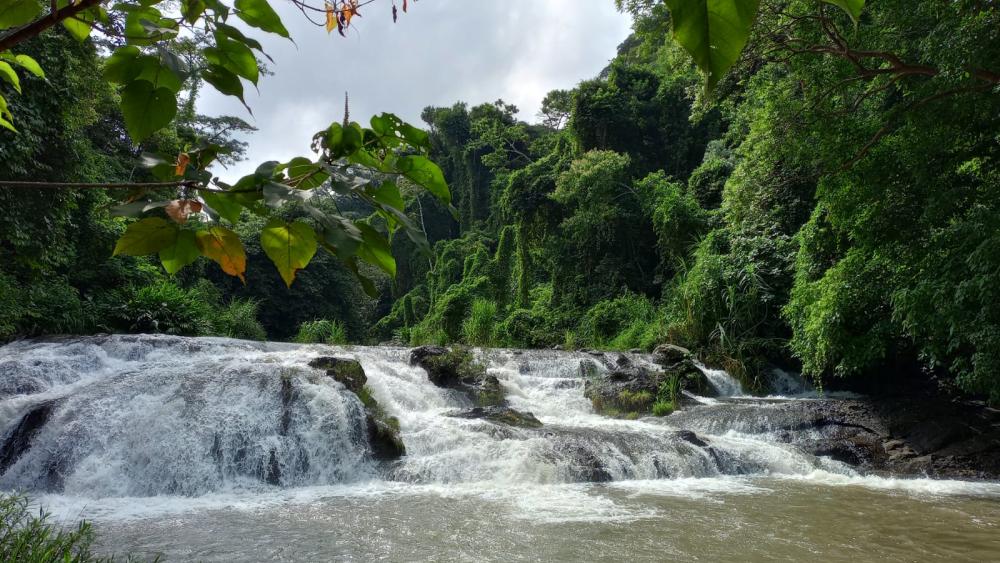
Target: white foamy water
172,432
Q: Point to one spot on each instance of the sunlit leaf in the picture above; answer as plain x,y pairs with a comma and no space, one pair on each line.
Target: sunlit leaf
10,76
29,64
225,205
18,12
376,250
289,245
424,172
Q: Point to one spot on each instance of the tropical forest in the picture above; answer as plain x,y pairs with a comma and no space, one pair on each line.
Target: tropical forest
440,280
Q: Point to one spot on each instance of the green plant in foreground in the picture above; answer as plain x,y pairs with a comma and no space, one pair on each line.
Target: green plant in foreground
321,332
31,538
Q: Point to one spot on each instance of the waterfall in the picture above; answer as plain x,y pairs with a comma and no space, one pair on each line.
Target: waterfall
725,384
133,416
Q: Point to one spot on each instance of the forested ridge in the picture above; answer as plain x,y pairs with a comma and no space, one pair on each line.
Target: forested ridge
830,206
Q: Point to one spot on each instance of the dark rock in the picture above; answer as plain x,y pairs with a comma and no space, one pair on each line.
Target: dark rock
669,354
501,415
347,371
588,369
692,438
557,347
635,351
18,441
272,474
458,369
384,439
629,389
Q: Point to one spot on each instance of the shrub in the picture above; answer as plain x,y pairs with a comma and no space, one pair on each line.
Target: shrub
629,321
239,320
321,332
479,328
662,408
167,308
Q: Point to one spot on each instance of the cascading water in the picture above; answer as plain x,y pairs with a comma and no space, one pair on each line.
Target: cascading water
109,421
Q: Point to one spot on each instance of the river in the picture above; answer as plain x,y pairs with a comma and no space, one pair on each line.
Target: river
165,443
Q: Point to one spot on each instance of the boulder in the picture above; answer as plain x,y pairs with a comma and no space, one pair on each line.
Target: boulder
669,354
19,440
347,371
630,390
384,438
501,415
458,369
383,430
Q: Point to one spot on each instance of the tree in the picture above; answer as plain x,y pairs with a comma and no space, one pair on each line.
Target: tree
146,62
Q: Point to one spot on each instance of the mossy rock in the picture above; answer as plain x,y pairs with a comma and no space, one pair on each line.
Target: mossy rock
347,371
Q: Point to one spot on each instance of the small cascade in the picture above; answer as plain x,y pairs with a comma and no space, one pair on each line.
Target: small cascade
134,416
725,384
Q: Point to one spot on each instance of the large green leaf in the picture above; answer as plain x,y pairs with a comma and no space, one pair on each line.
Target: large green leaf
123,65
714,32
233,56
147,109
852,7
148,236
424,172
5,115
289,246
18,12
225,205
260,14
225,82
182,252
376,250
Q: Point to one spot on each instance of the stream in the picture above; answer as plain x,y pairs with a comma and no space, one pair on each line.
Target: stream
193,449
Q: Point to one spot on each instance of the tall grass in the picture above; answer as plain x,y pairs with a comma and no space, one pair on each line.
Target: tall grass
239,320
322,332
479,328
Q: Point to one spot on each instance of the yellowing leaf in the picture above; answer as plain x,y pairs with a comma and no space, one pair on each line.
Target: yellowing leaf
331,17
182,163
148,236
224,247
180,209
289,246
182,252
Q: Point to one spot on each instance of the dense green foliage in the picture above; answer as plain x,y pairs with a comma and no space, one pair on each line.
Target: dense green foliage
829,211
830,205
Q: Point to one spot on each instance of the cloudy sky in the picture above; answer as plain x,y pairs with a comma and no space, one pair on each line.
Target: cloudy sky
441,52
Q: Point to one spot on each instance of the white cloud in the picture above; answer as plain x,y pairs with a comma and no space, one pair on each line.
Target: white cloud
441,52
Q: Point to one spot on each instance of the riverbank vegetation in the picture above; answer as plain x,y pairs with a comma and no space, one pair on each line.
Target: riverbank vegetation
830,206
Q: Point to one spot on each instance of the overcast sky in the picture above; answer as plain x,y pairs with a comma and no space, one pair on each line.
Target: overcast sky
441,52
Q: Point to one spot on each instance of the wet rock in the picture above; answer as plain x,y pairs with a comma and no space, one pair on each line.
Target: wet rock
458,369
384,438
19,440
347,371
692,438
383,430
669,354
501,415
630,390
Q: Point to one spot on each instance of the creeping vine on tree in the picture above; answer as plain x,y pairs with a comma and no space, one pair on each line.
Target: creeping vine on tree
349,160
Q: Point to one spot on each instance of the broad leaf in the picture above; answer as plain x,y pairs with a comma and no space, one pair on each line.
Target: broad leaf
225,205
424,172
224,247
18,12
147,109
714,32
376,250
852,7
233,56
148,236
29,64
260,14
123,65
182,252
388,194
180,209
225,82
289,246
